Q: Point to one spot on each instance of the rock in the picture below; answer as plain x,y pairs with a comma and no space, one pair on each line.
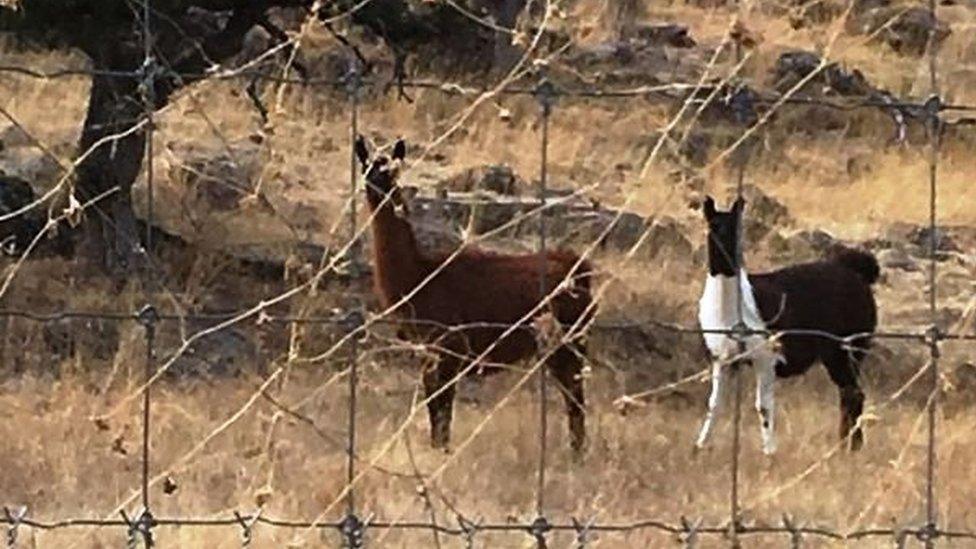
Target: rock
89,338
896,258
804,14
760,205
695,149
500,179
12,137
793,66
906,31
661,34
17,233
819,240
666,237
922,238
223,353
32,165
207,194
735,104
915,239
763,213
800,246
630,62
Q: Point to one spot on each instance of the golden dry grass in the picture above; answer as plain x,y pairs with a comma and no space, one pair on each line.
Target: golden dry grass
54,459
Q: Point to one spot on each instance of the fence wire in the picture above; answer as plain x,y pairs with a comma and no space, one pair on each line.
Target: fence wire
353,527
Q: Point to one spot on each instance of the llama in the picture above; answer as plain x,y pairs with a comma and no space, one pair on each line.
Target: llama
459,311
831,296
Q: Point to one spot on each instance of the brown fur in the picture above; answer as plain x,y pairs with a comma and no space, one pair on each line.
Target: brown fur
468,305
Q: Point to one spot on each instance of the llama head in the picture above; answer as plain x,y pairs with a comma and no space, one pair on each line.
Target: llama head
723,236
381,174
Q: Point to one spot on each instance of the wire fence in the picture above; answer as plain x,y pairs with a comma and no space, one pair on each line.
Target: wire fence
351,324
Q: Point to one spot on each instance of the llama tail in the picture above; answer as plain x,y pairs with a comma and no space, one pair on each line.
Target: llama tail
861,262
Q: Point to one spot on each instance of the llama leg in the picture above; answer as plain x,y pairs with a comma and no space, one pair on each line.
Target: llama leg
566,367
842,365
765,405
716,402
437,381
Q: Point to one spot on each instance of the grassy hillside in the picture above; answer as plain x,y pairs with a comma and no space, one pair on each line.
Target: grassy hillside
226,447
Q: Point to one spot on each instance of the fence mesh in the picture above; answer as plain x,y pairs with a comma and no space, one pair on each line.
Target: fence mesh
351,324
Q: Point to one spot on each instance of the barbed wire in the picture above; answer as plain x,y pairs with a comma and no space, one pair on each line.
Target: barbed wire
352,323
449,87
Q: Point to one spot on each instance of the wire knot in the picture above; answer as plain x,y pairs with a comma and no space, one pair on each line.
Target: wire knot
148,316
933,336
689,532
14,519
353,531
932,108
141,526
539,528
927,533
901,538
247,523
796,536
546,94
352,321
582,530
468,530
353,79
147,74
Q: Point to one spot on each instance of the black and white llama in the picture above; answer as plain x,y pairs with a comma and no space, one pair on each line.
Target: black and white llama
826,309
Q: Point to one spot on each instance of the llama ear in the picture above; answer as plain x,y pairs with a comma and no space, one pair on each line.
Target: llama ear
708,208
738,205
362,152
399,150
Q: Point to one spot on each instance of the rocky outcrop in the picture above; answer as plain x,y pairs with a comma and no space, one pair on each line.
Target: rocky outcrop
906,30
20,229
223,198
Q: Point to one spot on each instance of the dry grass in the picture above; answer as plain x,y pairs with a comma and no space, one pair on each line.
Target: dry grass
639,465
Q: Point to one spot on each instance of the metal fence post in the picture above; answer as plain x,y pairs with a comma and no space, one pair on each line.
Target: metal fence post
545,93
352,527
148,316
934,124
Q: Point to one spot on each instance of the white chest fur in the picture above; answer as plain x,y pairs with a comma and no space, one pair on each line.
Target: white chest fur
719,309
724,301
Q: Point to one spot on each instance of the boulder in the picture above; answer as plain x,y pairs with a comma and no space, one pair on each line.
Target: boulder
667,238
500,179
799,246
661,34
18,232
763,213
896,258
223,353
793,66
89,338
225,198
32,165
906,31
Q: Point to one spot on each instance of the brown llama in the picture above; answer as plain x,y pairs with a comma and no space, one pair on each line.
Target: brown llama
465,309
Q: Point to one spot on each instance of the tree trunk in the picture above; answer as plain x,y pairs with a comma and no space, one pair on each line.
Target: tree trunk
116,104
114,107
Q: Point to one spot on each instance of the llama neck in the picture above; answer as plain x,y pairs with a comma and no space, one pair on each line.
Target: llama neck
396,258
724,301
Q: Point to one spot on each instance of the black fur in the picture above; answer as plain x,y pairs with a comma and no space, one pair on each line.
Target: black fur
832,296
